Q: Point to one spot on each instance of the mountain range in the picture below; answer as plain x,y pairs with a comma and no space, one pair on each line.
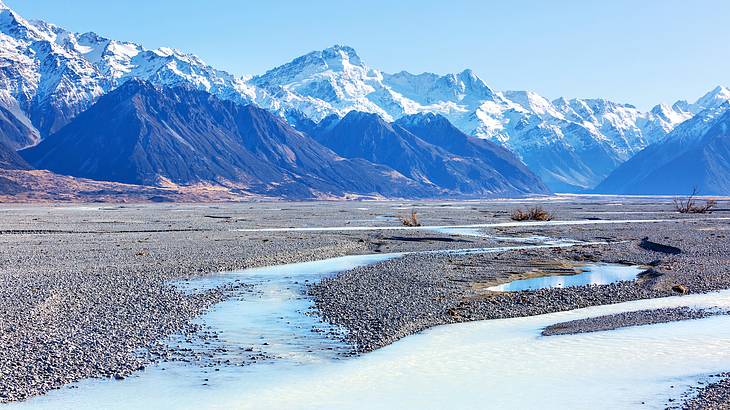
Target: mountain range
147,135
695,155
50,76
428,149
144,135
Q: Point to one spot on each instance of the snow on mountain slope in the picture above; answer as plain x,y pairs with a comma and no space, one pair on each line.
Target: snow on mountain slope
16,129
50,84
572,144
696,154
616,122
713,99
119,62
429,89
51,74
661,120
331,81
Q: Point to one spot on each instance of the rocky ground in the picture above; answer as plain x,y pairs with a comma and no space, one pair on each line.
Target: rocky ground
628,319
714,396
385,302
85,289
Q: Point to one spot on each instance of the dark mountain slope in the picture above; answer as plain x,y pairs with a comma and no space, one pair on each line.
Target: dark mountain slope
16,130
9,159
695,155
140,134
461,172
437,130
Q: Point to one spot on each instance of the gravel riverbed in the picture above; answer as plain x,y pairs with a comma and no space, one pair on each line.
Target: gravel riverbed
628,319
85,291
385,302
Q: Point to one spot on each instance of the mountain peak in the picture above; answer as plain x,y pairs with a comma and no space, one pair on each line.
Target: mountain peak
712,99
12,24
534,102
660,109
342,52
717,96
136,82
132,87
470,78
468,73
424,118
336,59
358,116
721,89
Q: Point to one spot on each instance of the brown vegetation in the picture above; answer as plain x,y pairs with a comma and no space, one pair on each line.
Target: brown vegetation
410,220
690,205
536,213
45,186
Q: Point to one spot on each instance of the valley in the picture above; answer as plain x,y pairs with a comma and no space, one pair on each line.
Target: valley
297,224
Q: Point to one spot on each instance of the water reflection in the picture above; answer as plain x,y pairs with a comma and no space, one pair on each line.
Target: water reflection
594,274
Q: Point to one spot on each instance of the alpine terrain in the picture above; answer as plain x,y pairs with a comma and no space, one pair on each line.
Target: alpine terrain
695,155
49,76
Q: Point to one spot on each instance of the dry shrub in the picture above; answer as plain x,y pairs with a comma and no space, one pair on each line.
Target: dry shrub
520,215
410,220
539,214
689,205
536,213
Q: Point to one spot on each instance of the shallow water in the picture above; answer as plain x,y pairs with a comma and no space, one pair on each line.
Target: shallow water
493,364
490,225
496,364
274,317
531,239
594,274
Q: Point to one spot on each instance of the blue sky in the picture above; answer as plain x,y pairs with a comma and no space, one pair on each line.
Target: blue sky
641,52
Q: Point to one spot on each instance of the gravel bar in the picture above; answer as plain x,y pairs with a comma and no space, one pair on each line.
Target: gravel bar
629,319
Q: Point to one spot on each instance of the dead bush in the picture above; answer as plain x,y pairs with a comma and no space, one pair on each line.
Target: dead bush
520,215
536,213
690,205
539,214
410,220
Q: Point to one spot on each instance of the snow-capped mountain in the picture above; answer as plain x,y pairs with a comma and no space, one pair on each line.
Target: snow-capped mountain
572,144
332,81
696,154
49,84
119,61
48,75
53,74
713,99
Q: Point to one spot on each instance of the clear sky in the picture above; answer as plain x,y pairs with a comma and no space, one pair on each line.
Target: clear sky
641,52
